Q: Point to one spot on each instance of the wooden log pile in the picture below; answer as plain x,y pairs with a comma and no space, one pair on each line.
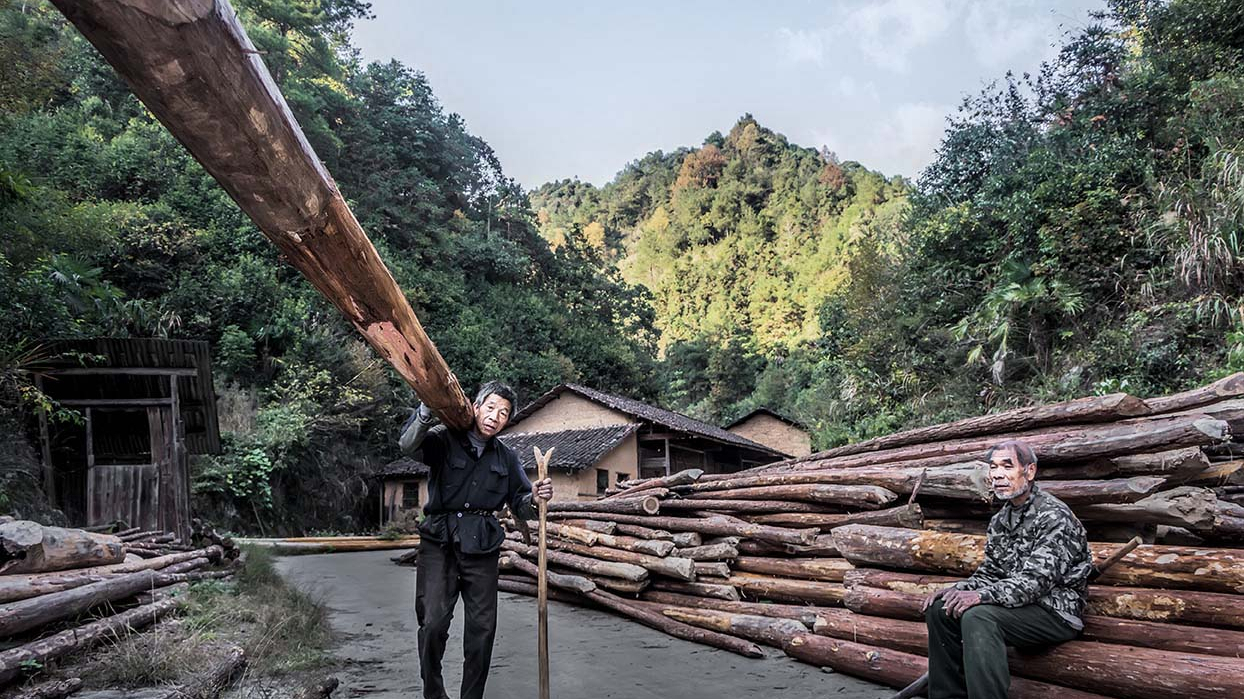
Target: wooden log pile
829,557
66,590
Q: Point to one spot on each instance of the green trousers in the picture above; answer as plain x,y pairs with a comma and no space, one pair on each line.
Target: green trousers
967,656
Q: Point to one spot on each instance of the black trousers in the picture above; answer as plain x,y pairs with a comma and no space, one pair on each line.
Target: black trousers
441,575
967,656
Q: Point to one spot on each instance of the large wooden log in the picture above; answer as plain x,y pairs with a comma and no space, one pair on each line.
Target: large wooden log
19,587
192,65
1172,464
1057,445
588,510
30,547
824,569
968,481
823,546
770,631
23,615
1119,490
716,526
650,614
1186,506
905,592
678,568
866,497
683,477
899,669
1225,388
721,590
907,516
1084,410
787,589
612,569
641,532
804,614
573,583
14,660
710,552
711,569
592,525
522,585
1180,567
747,506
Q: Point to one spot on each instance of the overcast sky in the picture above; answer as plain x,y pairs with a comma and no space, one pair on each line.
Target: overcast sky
579,88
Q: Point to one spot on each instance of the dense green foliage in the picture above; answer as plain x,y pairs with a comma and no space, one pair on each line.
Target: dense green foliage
1079,231
110,228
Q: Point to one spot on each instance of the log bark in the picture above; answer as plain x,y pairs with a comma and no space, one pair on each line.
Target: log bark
823,546
628,506
573,583
908,516
19,587
721,526
684,477
678,568
575,534
711,569
29,547
865,497
612,569
1084,410
1178,567
192,65
761,629
1169,464
651,547
686,539
788,589
804,614
53,690
1223,389
16,617
966,481
658,493
649,616
13,660
642,532
1186,506
519,585
1142,604
720,591
1119,490
823,569
747,506
709,552
592,525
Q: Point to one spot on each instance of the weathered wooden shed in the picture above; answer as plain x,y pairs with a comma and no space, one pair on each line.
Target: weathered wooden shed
146,405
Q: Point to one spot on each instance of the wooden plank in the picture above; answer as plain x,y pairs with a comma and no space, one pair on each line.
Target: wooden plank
125,371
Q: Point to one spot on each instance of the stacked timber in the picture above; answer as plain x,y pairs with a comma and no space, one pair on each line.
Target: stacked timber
65,590
829,557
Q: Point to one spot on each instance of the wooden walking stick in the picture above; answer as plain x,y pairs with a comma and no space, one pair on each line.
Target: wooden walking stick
916,688
542,583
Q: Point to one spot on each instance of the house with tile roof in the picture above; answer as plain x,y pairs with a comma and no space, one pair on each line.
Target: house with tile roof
599,439
773,429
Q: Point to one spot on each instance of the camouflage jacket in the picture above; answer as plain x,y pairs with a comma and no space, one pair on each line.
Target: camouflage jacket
1036,553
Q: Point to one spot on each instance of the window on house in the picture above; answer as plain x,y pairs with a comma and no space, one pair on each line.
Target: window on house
602,481
410,496
621,477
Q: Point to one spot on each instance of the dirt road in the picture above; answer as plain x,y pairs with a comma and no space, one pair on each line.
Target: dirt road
593,654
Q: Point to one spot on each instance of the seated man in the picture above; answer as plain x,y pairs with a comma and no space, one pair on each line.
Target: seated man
1029,591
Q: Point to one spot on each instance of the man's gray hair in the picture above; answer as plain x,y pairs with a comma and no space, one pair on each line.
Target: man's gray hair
1018,452
499,389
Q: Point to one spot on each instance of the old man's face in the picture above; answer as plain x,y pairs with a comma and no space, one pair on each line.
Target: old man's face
492,415
1010,480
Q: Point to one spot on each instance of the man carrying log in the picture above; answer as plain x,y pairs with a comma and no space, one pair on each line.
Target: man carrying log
1029,591
471,476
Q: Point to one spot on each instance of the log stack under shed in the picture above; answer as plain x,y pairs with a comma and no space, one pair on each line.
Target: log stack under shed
67,590
828,557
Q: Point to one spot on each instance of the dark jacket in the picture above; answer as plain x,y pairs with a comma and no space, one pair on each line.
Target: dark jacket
463,489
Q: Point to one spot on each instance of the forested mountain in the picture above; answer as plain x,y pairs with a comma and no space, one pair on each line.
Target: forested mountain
110,228
1079,231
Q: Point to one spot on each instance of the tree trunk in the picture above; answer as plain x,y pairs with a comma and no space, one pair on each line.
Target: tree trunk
651,547
907,516
824,546
574,583
29,547
592,525
1177,567
1225,388
628,506
721,526
720,591
804,614
965,481
16,617
748,506
711,569
652,616
1169,464
192,65
679,568
709,552
611,569
1084,410
14,660
683,477
787,589
642,532
761,629
18,587
1186,506
1119,490
823,569
865,497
